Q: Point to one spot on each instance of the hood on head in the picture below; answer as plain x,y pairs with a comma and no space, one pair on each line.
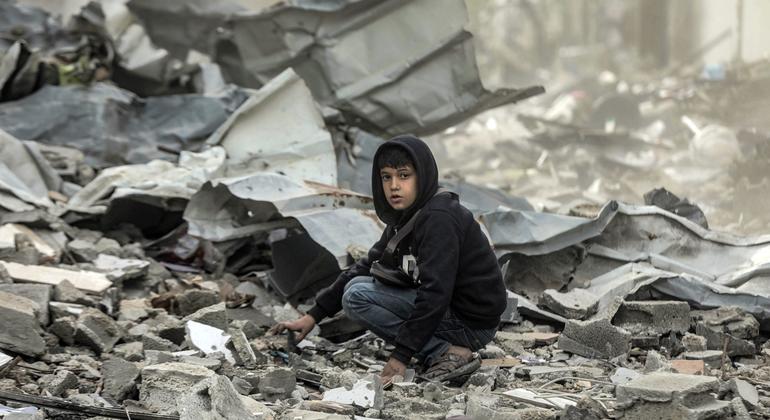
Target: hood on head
427,179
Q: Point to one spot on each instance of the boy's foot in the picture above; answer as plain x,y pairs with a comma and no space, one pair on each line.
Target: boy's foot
452,365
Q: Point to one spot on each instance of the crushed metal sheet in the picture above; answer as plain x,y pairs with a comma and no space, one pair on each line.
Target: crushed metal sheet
230,208
112,126
329,45
25,173
279,129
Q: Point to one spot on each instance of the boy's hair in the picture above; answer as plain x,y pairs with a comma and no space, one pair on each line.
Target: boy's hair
393,157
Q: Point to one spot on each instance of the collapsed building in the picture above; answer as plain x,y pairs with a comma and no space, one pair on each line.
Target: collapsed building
176,177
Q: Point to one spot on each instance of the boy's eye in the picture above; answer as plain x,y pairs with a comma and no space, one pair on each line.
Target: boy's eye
404,175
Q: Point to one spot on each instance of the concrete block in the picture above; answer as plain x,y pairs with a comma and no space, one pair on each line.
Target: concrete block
214,315
716,337
653,317
277,384
97,330
119,378
62,381
575,304
38,293
693,342
213,398
20,332
595,339
670,396
163,384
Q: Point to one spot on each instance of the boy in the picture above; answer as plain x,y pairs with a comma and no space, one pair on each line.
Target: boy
456,308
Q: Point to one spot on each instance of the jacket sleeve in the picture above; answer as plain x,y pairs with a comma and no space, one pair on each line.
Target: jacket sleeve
438,242
329,300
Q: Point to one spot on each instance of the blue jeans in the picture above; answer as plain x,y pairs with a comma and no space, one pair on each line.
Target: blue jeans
382,309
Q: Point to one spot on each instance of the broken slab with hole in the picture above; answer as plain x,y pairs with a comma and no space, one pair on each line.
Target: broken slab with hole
208,339
672,396
84,280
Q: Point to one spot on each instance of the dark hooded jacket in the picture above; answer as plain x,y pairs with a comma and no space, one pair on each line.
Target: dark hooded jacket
458,270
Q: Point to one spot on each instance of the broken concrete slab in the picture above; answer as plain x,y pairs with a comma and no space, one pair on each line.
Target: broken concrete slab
8,234
745,391
716,339
120,269
97,330
624,375
277,384
213,398
21,332
208,339
693,342
366,393
163,384
244,353
712,358
575,304
653,317
671,396
84,280
66,292
214,315
594,338
193,300
60,382
38,293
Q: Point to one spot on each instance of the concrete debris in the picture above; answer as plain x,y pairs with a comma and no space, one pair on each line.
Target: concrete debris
21,332
594,338
191,173
671,396
213,398
365,393
653,317
164,384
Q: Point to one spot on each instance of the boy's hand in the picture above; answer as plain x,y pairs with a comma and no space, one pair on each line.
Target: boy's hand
302,326
392,368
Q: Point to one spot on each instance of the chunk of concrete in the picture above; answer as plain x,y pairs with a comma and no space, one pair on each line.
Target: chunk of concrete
712,358
64,328
746,391
119,378
296,414
38,293
595,339
60,382
194,300
653,317
243,352
163,384
121,269
208,339
20,332
716,338
97,330
575,304
214,315
670,396
735,320
213,398
277,384
693,342
366,393
656,362
66,292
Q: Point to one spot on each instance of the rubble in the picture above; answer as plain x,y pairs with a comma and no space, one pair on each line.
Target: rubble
192,174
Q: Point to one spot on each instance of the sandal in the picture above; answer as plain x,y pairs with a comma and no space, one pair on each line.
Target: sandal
451,366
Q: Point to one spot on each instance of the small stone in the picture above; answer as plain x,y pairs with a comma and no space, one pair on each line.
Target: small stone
692,342
64,328
194,300
656,362
119,378
20,332
215,316
242,386
66,292
97,330
153,342
132,352
63,380
163,384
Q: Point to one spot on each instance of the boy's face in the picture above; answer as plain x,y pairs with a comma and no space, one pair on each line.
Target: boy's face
399,185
